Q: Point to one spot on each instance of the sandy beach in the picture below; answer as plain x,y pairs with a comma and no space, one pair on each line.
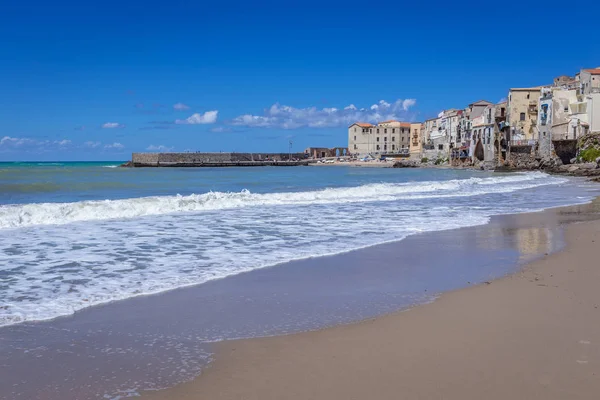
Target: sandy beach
532,335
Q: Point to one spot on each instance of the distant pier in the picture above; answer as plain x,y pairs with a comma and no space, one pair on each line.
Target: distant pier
139,160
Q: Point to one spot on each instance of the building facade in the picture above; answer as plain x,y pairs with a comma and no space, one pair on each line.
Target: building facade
523,113
416,140
387,137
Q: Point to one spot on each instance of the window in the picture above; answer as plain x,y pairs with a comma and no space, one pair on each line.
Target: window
393,147
393,138
403,138
393,130
440,147
385,147
354,137
354,129
385,130
385,139
377,130
522,117
377,147
378,138
527,96
355,147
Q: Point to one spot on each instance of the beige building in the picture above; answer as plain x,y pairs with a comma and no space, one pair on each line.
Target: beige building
523,112
387,137
416,139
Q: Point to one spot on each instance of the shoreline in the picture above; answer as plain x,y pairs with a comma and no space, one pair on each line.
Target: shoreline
299,296
361,359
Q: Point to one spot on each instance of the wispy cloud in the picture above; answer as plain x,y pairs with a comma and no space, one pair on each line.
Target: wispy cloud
112,125
114,146
9,143
92,145
287,117
209,117
160,148
181,107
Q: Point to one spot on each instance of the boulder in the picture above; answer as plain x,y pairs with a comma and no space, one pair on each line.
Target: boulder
406,164
589,165
572,168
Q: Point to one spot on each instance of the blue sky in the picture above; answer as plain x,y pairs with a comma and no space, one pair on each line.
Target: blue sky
99,80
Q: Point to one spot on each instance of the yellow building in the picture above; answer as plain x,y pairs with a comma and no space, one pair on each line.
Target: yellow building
416,140
522,112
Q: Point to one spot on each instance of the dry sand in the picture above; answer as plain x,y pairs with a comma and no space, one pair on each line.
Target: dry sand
532,335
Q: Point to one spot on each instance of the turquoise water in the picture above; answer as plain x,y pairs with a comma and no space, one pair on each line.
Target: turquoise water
73,235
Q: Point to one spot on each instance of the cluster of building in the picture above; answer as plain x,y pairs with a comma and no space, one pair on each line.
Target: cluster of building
484,132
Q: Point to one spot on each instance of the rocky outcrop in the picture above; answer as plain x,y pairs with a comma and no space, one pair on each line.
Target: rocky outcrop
589,148
407,164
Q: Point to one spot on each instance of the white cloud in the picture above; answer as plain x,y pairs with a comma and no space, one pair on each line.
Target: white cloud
8,141
209,117
160,148
115,145
92,145
112,125
408,103
181,107
286,117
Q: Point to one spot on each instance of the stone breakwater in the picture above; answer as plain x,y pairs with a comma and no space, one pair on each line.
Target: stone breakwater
214,159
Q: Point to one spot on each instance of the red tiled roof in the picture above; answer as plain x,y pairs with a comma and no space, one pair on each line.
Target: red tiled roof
385,122
593,71
405,124
363,124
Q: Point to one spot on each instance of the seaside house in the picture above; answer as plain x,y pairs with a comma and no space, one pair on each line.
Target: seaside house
416,140
589,80
359,138
387,137
523,113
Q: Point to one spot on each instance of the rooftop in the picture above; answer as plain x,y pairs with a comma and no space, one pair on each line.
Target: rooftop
593,71
363,124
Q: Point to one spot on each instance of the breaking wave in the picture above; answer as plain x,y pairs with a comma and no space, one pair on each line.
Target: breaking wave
24,215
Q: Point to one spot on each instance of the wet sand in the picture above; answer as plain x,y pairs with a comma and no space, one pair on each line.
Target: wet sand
534,334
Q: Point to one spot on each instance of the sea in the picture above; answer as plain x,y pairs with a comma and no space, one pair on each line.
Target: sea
75,236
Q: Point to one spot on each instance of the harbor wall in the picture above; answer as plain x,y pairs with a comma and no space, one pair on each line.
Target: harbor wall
191,159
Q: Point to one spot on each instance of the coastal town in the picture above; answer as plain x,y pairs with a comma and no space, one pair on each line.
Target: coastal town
532,124
550,127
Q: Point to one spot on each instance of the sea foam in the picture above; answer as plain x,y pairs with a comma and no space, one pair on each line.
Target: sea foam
57,258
